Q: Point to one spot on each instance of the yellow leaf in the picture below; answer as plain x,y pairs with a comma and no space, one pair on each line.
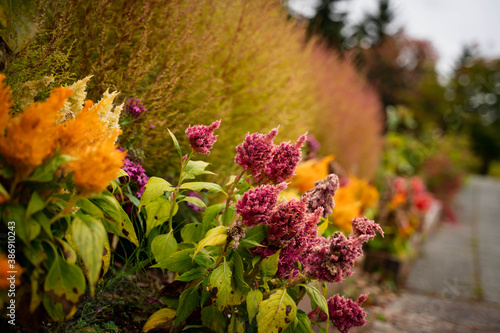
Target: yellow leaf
162,320
214,237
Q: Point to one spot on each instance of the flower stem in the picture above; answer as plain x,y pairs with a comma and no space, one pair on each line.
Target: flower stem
176,192
231,192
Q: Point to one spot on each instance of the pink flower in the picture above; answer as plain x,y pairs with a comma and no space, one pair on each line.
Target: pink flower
256,152
284,161
201,137
346,313
322,195
287,220
257,205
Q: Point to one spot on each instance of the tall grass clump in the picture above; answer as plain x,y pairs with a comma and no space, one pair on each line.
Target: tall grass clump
350,122
190,62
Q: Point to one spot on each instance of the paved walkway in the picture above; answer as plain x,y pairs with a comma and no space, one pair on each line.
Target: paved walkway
454,286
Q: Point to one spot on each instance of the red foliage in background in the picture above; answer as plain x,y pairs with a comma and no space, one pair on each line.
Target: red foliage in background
350,123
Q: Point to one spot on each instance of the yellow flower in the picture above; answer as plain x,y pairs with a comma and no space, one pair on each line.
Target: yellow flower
32,136
344,213
309,172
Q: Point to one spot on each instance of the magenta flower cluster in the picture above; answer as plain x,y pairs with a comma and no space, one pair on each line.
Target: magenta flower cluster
267,162
202,138
257,205
134,108
344,312
331,259
136,173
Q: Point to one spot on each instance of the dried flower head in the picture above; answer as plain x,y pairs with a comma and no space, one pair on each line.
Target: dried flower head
322,195
284,161
256,152
365,229
202,138
257,205
74,103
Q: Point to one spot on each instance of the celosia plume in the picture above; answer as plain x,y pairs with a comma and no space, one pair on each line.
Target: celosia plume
322,195
346,313
257,205
284,161
202,138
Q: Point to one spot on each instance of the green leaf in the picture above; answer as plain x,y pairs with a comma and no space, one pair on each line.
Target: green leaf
220,284
210,214
115,219
44,222
248,243
176,143
276,312
64,285
160,321
254,297
193,274
228,215
36,204
195,168
241,284
214,237
199,186
195,201
269,266
212,318
163,246
235,326
204,259
192,232
45,173
179,262
231,180
154,189
317,299
88,236
90,208
303,324
205,291
158,213
256,234
6,173
188,302
67,250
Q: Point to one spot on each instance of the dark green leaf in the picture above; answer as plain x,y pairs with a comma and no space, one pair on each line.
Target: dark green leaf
45,173
210,214
228,215
176,143
213,319
241,284
303,324
257,233
179,262
316,297
36,204
193,274
188,302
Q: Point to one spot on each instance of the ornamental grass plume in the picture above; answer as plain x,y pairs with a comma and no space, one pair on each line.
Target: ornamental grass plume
256,152
31,137
201,137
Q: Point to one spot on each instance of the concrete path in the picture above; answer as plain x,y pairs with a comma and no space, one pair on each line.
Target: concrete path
454,286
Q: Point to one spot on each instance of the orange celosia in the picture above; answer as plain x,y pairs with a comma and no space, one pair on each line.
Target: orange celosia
31,137
5,103
4,268
398,199
309,172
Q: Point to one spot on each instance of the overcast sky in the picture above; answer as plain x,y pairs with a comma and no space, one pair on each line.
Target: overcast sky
448,24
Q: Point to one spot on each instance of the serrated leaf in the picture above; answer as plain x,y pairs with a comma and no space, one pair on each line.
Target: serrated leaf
212,318
316,298
154,189
195,168
195,201
254,297
158,213
188,302
241,284
200,186
88,236
193,274
176,143
302,324
64,285
163,246
269,265
192,232
161,320
35,204
257,233
210,214
276,312
220,284
115,220
180,262
214,237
